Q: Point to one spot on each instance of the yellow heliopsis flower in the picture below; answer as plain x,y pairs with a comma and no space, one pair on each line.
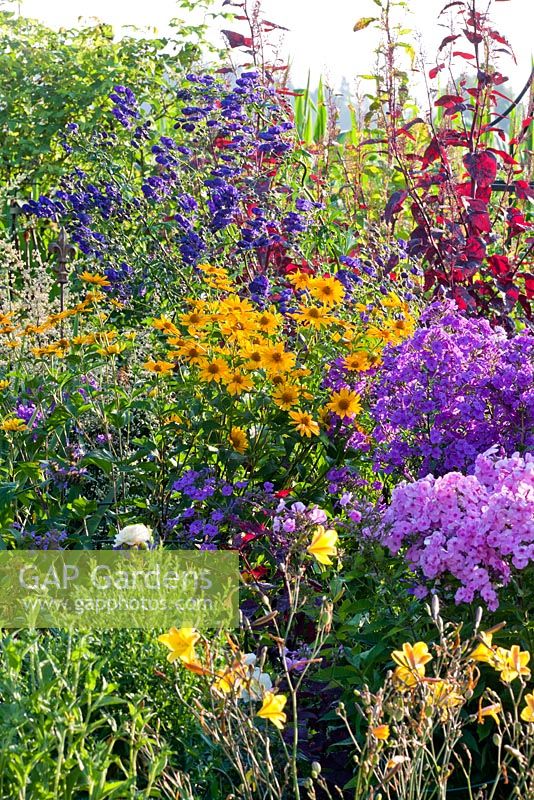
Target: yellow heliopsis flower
315,316
173,419
159,367
276,360
237,383
194,319
238,439
271,709
96,280
329,291
3,385
323,545
286,396
268,322
192,352
304,423
253,352
13,424
392,301
484,651
166,326
300,280
488,711
512,663
527,713
401,328
111,349
357,362
385,335
381,732
345,403
411,662
181,643
87,338
213,371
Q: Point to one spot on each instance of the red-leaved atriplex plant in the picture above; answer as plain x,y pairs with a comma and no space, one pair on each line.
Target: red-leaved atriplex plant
469,187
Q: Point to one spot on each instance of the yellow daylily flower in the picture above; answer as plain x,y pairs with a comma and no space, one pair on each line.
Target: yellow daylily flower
271,709
381,732
528,712
483,651
411,662
323,545
181,644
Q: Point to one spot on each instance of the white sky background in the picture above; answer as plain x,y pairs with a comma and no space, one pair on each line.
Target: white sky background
321,38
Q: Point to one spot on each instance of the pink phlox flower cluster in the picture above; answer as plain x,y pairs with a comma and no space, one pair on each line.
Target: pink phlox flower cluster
471,530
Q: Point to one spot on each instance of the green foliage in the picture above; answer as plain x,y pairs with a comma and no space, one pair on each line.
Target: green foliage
49,78
64,730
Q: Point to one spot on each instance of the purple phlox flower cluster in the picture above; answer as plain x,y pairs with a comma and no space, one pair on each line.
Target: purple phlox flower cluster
351,494
471,530
451,391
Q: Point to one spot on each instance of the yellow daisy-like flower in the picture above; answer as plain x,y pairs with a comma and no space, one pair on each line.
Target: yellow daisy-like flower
313,316
286,396
111,349
271,709
213,371
276,360
401,328
253,352
87,338
166,326
329,291
304,423
181,643
300,280
13,424
192,352
193,320
238,439
392,300
3,385
237,383
527,713
345,403
357,362
381,732
323,545
159,367
268,322
411,662
96,280
173,419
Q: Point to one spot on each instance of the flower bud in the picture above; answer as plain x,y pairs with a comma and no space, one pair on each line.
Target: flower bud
315,769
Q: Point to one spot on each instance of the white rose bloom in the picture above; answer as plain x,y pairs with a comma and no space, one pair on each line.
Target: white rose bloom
133,535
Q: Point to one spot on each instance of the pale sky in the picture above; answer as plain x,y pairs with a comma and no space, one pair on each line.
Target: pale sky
321,37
